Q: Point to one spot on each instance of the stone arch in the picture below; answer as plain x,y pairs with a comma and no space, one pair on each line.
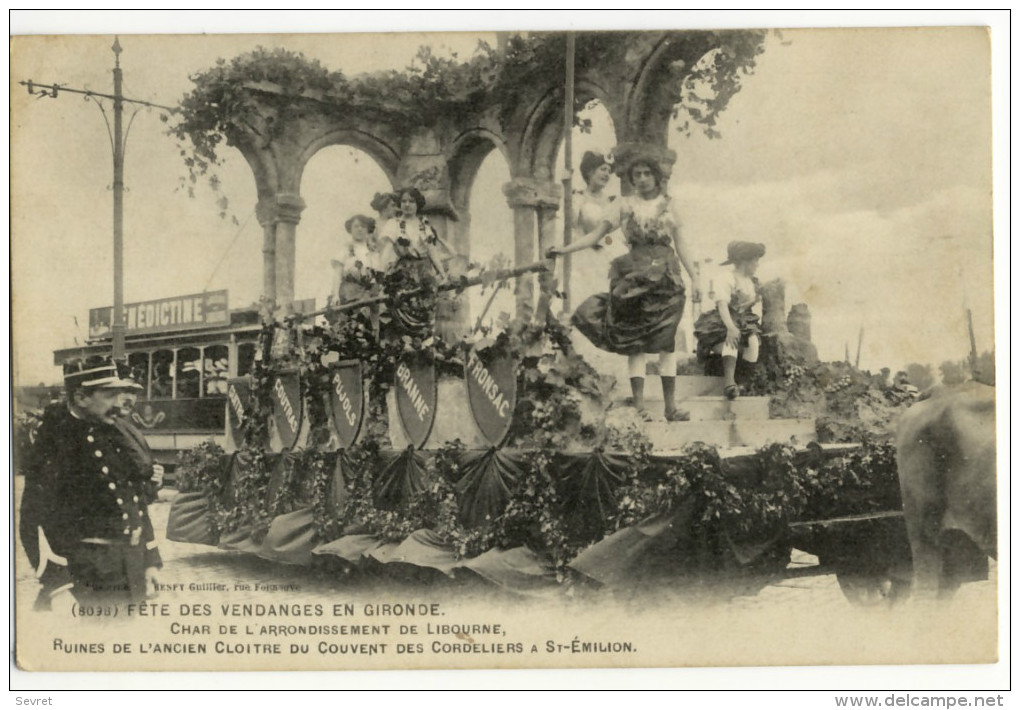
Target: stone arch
543,131
640,92
385,155
466,154
264,169
650,100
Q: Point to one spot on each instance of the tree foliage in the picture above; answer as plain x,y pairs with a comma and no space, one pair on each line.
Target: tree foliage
984,371
920,376
953,372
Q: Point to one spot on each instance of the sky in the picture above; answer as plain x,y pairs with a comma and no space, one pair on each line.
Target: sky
861,158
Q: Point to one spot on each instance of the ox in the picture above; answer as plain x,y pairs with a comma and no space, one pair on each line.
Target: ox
945,453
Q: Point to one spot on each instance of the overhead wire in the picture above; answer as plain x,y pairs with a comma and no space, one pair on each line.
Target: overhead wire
227,250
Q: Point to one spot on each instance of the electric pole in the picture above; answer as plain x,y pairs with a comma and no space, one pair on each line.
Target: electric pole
118,205
118,138
973,358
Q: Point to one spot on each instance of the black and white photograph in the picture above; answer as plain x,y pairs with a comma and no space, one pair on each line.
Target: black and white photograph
586,347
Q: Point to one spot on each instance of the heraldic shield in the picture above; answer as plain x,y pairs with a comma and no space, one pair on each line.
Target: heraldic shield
492,392
287,409
238,399
346,400
416,394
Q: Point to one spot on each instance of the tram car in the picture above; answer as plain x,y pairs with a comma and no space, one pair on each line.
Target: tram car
182,351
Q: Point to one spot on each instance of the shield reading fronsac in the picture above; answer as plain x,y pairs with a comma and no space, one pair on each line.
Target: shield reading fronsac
238,397
286,398
346,400
492,392
416,394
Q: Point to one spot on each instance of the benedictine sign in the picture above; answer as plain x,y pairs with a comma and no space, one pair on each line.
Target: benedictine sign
198,310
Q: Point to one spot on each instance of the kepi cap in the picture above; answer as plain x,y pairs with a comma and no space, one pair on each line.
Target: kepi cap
96,371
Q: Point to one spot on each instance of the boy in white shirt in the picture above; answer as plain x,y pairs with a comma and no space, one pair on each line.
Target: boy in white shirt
732,328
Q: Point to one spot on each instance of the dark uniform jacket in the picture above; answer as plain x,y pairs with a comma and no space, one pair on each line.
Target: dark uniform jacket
144,460
83,487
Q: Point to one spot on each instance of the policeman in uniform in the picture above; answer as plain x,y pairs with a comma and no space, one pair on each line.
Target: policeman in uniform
84,522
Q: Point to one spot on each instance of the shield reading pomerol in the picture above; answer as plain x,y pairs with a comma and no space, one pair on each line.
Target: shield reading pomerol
492,393
417,392
238,398
346,400
286,397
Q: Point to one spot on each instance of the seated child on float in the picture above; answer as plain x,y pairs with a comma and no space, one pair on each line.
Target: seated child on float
732,328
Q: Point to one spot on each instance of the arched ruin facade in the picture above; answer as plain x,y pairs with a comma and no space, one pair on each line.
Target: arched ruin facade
638,87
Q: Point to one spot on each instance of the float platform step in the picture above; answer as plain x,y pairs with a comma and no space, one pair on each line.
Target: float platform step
713,407
754,433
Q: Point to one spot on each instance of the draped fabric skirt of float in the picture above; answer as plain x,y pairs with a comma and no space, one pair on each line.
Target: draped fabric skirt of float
642,310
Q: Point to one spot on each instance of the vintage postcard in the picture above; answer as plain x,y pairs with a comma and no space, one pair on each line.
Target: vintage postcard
590,349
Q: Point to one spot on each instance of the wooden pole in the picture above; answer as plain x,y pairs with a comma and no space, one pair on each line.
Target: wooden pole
857,360
502,275
568,164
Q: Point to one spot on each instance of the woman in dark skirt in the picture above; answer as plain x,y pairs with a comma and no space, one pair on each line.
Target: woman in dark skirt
413,248
642,310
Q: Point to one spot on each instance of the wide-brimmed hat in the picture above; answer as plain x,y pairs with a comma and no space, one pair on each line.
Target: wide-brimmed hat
95,372
743,251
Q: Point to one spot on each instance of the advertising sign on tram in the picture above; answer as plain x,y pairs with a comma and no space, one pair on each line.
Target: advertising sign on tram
197,310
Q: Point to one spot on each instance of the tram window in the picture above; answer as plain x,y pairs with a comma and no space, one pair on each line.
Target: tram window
216,358
138,364
162,381
245,358
189,376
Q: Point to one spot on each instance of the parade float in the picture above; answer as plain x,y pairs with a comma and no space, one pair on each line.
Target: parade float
502,455
507,457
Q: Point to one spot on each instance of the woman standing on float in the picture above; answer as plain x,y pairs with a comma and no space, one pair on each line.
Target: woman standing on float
645,303
588,269
414,247
593,201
